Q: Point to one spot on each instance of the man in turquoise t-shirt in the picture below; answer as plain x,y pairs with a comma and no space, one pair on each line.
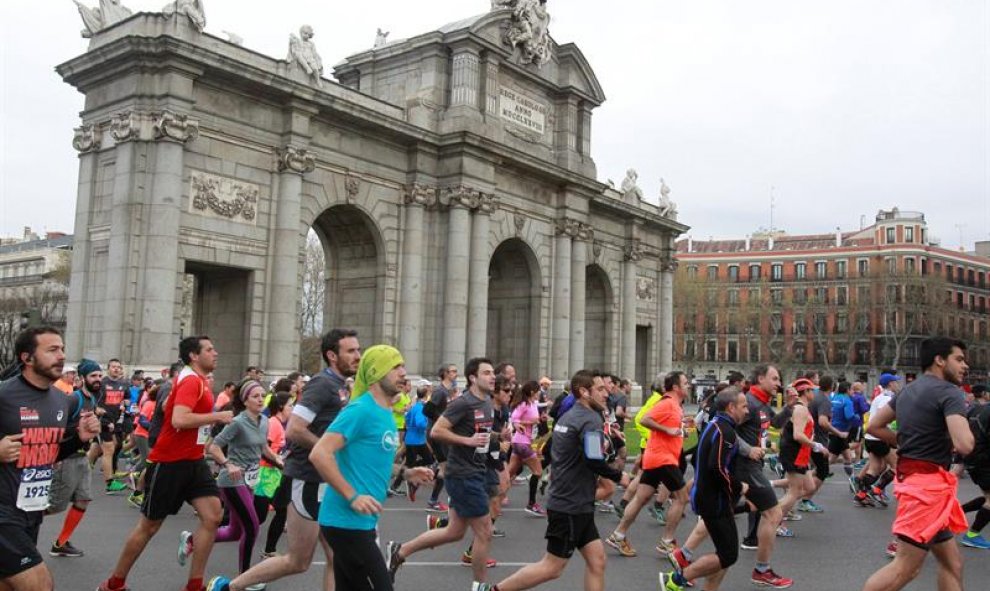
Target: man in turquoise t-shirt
355,458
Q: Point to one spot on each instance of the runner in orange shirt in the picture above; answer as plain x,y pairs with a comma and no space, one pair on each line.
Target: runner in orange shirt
661,465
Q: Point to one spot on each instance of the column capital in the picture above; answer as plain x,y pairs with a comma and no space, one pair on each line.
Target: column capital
124,126
168,125
634,251
87,138
668,265
294,159
487,203
419,194
468,198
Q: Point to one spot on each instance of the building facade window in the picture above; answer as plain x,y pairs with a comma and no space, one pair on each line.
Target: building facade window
800,271
712,272
777,272
732,352
909,265
863,267
777,296
733,297
842,295
733,272
800,295
891,235
692,272
840,269
891,264
753,352
754,272
821,270
909,234
711,350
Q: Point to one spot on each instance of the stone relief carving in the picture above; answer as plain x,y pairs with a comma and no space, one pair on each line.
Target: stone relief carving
352,186
302,52
596,249
460,196
585,232
646,289
668,208
223,197
418,194
192,9
629,186
668,265
174,126
634,252
519,221
100,17
567,226
87,138
527,30
123,127
293,159
381,38
487,203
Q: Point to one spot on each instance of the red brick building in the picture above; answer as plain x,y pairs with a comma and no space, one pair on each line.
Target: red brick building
848,302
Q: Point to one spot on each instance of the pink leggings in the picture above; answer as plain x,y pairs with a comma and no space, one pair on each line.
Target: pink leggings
243,525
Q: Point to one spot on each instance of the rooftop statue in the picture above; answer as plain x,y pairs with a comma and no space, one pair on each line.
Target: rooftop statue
107,13
381,38
302,51
629,186
528,29
668,208
193,9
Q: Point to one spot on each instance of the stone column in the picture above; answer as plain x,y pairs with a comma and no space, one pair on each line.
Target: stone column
579,263
667,268
417,198
477,327
627,356
459,200
87,142
560,336
292,163
160,273
125,131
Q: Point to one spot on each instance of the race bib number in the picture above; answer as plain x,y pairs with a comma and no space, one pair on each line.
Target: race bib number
133,409
251,476
32,494
203,435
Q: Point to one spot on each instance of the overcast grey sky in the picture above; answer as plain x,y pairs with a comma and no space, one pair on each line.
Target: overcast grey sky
843,107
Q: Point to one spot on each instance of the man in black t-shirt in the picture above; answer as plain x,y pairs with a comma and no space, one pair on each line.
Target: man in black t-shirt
38,427
110,408
439,400
466,427
931,422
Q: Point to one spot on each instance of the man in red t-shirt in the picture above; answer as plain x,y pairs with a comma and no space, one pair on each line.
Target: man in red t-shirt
661,465
177,472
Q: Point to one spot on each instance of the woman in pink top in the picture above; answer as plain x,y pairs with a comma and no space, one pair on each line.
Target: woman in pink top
525,417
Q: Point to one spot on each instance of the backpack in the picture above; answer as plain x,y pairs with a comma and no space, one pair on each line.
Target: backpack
158,416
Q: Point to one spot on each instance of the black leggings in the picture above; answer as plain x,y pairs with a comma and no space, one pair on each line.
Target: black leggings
280,503
358,564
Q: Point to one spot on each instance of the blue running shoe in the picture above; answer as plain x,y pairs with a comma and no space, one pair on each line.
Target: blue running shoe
218,584
976,541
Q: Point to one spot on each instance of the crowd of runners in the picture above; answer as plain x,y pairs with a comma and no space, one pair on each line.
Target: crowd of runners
317,457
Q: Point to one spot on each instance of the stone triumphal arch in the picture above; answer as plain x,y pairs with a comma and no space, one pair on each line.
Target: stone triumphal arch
449,177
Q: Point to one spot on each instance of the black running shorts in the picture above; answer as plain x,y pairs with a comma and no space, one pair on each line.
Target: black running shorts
18,549
877,448
725,537
306,499
567,533
169,485
760,492
669,476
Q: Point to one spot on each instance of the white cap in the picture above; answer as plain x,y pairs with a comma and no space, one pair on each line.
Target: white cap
69,367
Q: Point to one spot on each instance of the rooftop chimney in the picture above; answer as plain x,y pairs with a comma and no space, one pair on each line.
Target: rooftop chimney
838,237
747,243
690,245
770,242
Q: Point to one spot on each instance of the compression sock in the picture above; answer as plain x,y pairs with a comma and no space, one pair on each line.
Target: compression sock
886,478
687,553
437,487
72,520
866,482
982,518
115,582
974,505
195,584
534,482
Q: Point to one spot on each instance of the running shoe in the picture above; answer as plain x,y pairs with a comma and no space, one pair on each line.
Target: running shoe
976,541
394,492
392,559
256,587
434,521
105,586
862,500
605,506
185,547
784,532
115,486
749,544
665,547
658,513
498,533
878,496
776,466
535,510
476,586
437,506
810,507
792,515
521,479
891,549
468,560
67,550
666,583
218,584
135,499
623,546
770,579
853,484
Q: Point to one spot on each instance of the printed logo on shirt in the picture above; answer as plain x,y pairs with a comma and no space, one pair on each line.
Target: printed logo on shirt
390,441
58,417
39,447
113,397
29,416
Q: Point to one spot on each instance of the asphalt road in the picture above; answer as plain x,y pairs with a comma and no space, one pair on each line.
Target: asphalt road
833,551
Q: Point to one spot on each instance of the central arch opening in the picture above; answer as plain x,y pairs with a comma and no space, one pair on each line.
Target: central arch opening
514,307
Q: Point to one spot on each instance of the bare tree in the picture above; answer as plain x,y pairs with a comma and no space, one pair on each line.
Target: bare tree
43,303
314,287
